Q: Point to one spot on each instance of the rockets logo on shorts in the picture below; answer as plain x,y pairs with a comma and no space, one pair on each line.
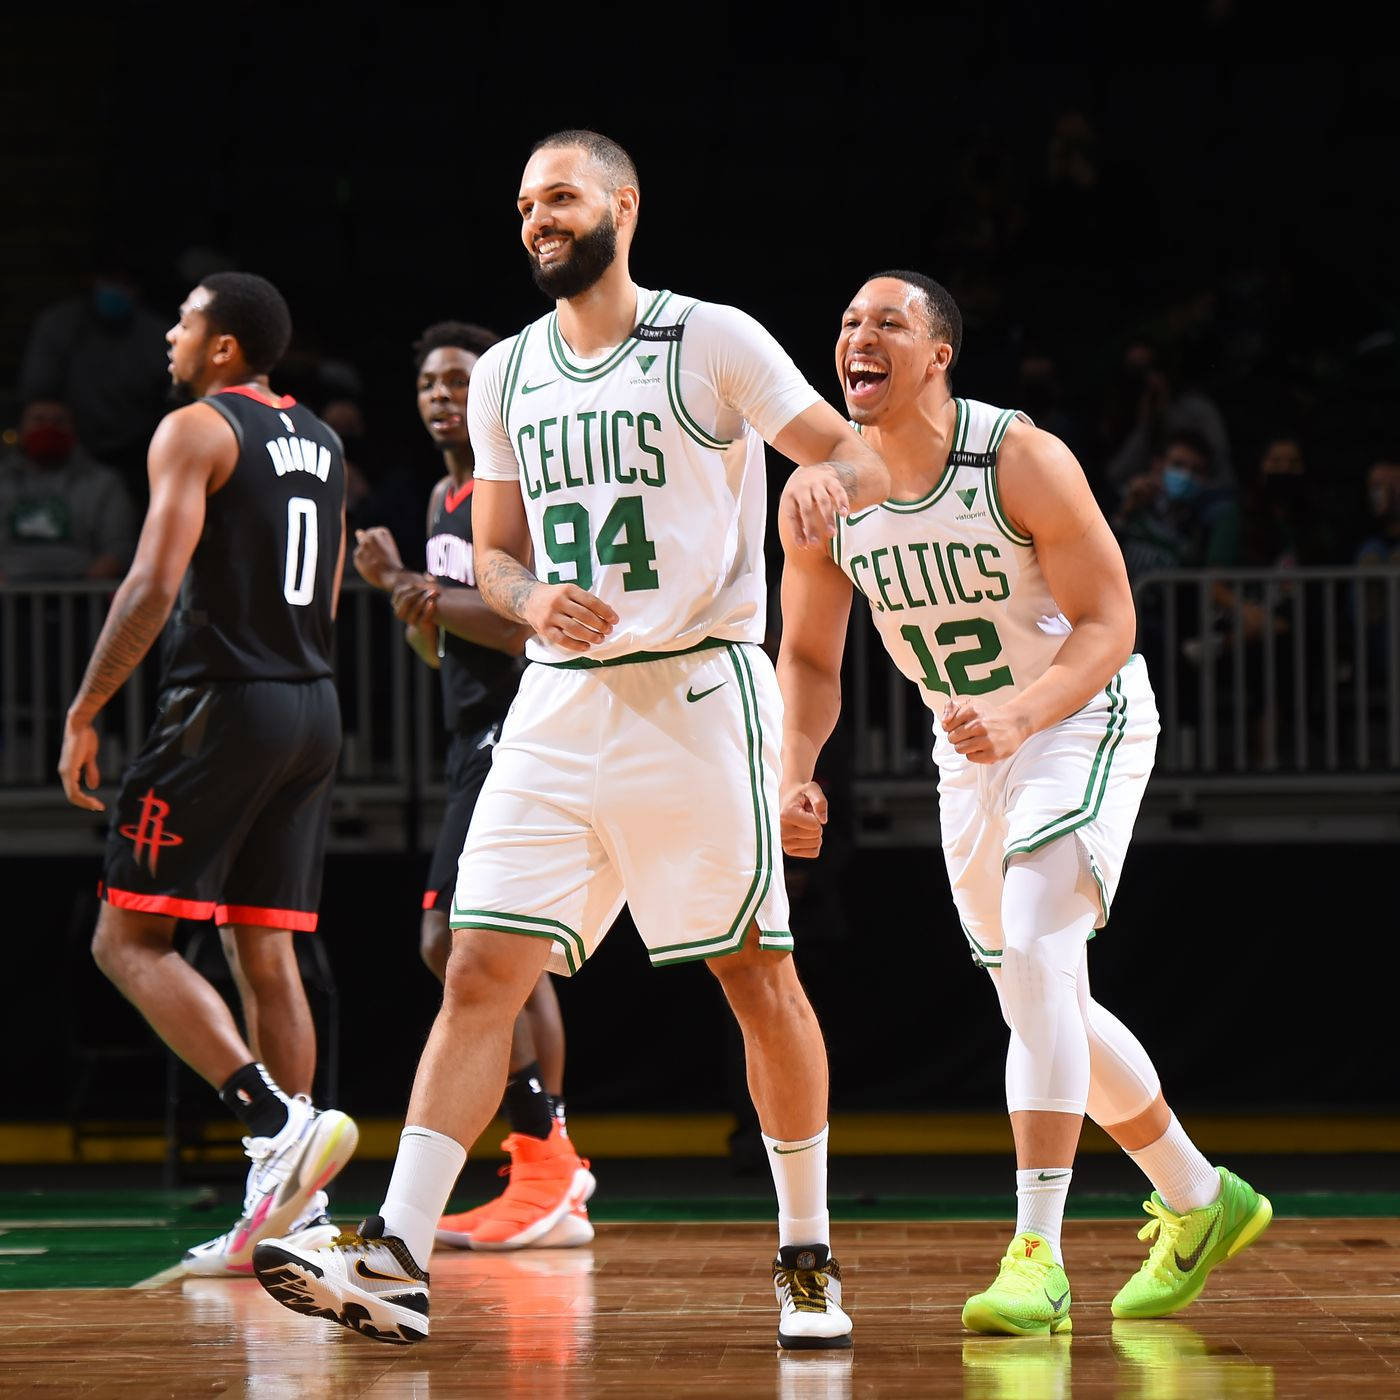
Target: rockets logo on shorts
150,833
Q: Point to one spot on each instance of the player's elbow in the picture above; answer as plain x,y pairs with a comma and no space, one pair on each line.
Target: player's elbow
153,588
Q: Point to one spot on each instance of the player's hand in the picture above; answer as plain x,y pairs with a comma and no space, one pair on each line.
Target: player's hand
983,738
813,502
77,764
376,557
566,616
414,598
802,814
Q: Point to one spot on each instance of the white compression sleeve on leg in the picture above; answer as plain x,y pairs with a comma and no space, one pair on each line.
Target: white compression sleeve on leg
1046,920
1122,1081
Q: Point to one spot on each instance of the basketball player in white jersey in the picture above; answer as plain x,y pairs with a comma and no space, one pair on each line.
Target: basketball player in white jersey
999,590
619,511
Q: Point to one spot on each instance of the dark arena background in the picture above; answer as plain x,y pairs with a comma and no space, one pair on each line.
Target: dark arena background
1189,220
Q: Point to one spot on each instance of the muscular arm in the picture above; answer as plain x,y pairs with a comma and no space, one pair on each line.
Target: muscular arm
501,548
816,606
562,614
1047,496
190,448
838,472
193,451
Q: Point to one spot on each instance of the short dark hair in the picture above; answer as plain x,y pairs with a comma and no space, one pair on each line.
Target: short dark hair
253,312
617,166
462,335
944,318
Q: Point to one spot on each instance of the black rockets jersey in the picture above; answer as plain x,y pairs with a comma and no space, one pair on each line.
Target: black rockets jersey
478,683
256,600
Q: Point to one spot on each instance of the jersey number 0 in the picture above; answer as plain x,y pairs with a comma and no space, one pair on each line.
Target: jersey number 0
303,541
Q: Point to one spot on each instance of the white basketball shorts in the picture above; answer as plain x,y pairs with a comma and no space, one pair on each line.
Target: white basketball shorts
1083,777
647,781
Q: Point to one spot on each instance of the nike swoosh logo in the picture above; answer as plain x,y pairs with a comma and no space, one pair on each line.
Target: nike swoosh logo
365,1271
1052,1176
781,1151
692,696
1194,1258
1057,1303
530,388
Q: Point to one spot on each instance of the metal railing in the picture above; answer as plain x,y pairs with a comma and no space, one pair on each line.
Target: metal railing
1295,722
390,774
1279,694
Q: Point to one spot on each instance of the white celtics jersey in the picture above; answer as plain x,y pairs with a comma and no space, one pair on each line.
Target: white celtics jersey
643,470
955,591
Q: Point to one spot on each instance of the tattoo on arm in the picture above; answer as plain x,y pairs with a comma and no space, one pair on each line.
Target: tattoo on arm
505,583
132,625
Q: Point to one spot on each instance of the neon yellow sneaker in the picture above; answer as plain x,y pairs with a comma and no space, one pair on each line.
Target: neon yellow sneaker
1187,1247
1030,1296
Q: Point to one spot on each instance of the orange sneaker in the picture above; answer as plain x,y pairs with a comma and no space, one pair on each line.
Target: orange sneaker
544,1205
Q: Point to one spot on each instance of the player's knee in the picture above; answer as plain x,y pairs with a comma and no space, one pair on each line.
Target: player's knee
116,941
759,981
486,970
266,958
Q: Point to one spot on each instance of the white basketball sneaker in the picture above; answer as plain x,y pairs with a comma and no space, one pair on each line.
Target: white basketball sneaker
284,1193
807,1281
364,1280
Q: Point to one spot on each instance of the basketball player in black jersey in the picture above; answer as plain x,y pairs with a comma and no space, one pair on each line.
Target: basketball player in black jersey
478,654
223,812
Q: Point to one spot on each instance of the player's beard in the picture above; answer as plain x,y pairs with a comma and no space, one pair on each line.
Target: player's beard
181,391
590,255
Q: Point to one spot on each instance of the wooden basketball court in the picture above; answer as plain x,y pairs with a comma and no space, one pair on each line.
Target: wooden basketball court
661,1310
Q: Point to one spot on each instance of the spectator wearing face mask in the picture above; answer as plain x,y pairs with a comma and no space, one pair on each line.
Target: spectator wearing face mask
103,353
1288,522
63,515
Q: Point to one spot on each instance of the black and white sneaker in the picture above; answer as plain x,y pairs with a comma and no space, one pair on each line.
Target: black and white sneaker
807,1281
366,1281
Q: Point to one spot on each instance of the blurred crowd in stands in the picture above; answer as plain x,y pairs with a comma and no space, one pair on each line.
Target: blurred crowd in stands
1221,419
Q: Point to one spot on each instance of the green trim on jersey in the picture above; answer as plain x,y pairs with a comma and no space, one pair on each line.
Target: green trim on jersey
494,919
999,429
1114,727
559,350
944,482
999,512
689,426
961,423
586,663
733,940
512,375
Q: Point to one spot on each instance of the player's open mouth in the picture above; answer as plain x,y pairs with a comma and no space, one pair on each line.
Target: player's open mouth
547,249
864,379
446,422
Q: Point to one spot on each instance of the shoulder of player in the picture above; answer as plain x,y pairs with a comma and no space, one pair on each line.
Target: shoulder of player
1037,474
196,428
439,492
716,316
1028,451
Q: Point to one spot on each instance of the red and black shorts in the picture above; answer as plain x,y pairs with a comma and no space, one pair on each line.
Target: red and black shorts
223,813
467,764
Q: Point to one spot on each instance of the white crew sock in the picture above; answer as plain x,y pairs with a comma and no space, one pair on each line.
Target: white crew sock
1183,1176
425,1171
1041,1193
799,1176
